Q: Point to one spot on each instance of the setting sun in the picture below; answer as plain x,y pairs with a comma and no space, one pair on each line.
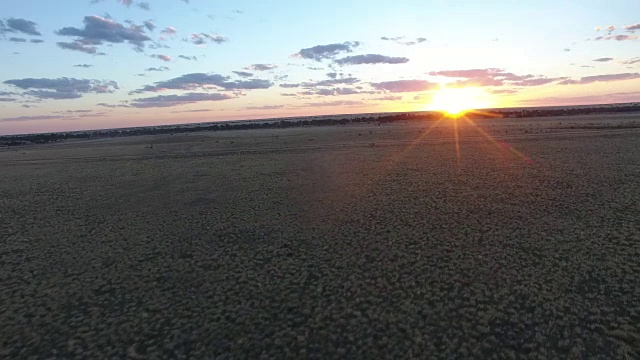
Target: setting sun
455,101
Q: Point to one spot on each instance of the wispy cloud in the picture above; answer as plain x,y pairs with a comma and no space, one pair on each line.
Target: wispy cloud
399,86
632,61
493,77
603,59
204,81
321,83
165,58
371,59
601,78
32,118
617,37
265,107
176,100
335,103
400,40
161,68
321,52
203,38
62,88
261,67
243,74
169,31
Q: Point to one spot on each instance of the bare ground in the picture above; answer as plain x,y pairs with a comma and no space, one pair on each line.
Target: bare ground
521,241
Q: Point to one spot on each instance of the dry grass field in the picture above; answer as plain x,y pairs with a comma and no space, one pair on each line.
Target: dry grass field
520,239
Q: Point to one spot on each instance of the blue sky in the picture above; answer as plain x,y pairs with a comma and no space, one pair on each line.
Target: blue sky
114,63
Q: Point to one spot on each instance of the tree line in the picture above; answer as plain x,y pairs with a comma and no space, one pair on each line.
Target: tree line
15,140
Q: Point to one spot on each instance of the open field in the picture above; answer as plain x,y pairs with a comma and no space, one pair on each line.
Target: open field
513,238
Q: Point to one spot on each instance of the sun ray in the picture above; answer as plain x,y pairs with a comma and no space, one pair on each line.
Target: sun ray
457,139
500,145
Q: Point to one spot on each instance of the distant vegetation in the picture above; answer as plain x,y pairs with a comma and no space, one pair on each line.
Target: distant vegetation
15,140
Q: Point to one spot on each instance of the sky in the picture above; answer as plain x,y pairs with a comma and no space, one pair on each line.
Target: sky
96,64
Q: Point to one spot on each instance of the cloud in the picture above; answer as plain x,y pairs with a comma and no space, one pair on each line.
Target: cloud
603,59
243,74
31,118
98,30
617,37
144,6
371,59
321,52
633,27
36,41
388,98
193,58
493,77
502,91
203,38
471,73
192,111
536,82
334,92
149,25
83,65
77,47
176,100
164,58
3,99
631,61
261,67
169,31
108,105
265,107
20,25
62,88
161,68
610,28
332,75
399,86
329,82
237,11
336,103
398,39
17,40
204,81
601,78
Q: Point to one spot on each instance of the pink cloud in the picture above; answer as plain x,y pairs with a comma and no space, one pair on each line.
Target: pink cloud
601,78
162,57
405,86
633,27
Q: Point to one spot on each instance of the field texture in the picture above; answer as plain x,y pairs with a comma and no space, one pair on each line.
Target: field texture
520,239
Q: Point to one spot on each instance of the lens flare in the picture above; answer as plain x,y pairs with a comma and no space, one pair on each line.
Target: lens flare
454,102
